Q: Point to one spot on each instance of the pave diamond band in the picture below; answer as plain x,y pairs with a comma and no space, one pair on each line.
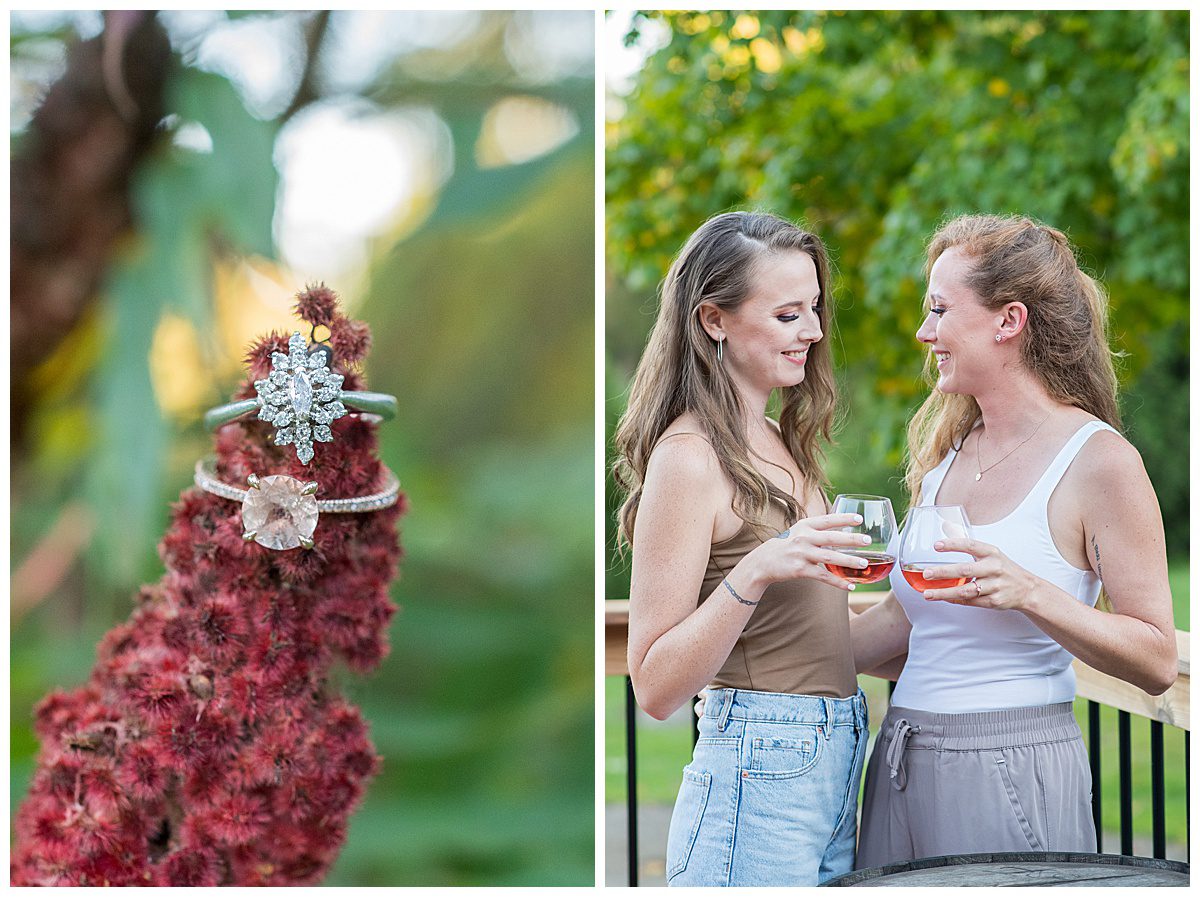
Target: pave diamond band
301,397
281,512
206,479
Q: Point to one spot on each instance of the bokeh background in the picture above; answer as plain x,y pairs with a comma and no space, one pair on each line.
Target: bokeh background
186,175
872,127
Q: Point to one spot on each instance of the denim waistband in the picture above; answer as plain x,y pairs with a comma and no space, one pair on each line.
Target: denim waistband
723,704
985,730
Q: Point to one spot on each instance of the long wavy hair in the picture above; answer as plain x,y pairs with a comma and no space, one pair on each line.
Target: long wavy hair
1064,342
680,372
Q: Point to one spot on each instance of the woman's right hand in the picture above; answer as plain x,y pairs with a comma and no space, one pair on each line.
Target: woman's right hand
805,549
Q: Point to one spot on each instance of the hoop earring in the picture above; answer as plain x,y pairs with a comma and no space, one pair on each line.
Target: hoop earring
720,343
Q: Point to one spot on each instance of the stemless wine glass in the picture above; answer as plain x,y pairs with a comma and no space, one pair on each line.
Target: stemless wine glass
924,526
879,522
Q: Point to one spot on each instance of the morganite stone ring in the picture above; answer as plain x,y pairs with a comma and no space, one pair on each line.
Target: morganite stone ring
301,397
280,512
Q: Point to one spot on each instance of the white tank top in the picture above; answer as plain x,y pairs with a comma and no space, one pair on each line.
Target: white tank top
968,659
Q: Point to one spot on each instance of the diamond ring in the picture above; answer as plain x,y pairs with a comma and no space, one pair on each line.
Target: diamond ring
280,512
301,397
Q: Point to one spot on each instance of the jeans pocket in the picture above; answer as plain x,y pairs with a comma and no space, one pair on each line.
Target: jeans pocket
1014,800
784,757
685,820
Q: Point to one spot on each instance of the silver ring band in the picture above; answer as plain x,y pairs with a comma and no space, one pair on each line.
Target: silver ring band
377,404
978,588
206,479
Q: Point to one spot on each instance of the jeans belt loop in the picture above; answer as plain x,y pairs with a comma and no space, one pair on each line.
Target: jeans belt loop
726,709
895,752
828,705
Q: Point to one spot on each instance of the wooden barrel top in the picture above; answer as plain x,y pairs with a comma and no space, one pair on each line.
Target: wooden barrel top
1022,869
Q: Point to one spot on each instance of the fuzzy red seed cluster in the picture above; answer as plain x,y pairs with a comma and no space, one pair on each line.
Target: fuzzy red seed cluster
208,747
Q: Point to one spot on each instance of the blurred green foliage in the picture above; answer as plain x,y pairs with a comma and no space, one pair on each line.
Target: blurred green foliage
185,202
872,127
484,711
483,325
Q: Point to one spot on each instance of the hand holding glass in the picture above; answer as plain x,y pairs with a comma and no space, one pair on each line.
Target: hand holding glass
926,525
879,522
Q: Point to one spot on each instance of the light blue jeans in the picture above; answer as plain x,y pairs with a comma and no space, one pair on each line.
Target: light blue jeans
771,793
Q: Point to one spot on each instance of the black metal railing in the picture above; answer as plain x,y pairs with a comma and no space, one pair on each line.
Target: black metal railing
631,779
1124,766
1158,801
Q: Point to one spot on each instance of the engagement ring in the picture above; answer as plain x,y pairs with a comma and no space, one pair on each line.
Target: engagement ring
301,397
280,512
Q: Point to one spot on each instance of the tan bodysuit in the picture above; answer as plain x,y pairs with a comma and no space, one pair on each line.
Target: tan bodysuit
798,639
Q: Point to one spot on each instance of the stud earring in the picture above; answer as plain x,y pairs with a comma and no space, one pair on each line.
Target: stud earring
999,338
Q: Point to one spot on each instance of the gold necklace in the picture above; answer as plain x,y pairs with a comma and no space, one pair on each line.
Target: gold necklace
979,442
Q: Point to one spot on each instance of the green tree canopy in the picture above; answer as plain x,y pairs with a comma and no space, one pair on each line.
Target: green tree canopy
873,127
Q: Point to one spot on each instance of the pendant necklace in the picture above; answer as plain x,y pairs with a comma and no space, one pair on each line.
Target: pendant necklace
978,463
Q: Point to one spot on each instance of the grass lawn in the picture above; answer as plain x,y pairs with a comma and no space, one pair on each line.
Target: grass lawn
1177,575
664,748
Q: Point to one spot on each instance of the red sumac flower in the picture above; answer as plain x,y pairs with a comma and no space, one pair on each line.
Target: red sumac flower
209,747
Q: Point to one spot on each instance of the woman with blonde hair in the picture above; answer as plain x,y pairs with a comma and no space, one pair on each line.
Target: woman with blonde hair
726,514
980,751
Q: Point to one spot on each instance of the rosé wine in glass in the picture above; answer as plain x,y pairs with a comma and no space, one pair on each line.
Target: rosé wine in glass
879,522
925,525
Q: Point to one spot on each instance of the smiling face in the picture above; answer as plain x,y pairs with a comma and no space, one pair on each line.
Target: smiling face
958,328
768,335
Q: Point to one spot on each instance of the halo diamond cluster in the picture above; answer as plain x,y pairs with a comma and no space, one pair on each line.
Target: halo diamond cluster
300,397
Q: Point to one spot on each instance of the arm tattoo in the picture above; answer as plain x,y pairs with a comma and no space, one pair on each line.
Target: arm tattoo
1096,548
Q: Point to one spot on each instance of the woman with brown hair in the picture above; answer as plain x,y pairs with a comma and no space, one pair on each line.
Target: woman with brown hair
980,751
729,588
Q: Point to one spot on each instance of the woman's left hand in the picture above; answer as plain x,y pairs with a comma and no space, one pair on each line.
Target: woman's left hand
994,581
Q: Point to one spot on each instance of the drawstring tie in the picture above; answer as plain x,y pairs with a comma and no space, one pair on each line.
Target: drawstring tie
895,752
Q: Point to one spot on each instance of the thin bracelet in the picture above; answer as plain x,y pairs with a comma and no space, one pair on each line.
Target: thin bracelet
739,597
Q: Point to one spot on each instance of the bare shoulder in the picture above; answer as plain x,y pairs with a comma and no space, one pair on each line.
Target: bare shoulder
684,493
1107,474
683,457
684,477
1109,458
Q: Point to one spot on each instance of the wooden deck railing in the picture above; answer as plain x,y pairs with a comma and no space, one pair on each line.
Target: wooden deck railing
1172,708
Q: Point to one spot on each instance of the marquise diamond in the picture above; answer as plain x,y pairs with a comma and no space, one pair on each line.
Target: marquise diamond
301,393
